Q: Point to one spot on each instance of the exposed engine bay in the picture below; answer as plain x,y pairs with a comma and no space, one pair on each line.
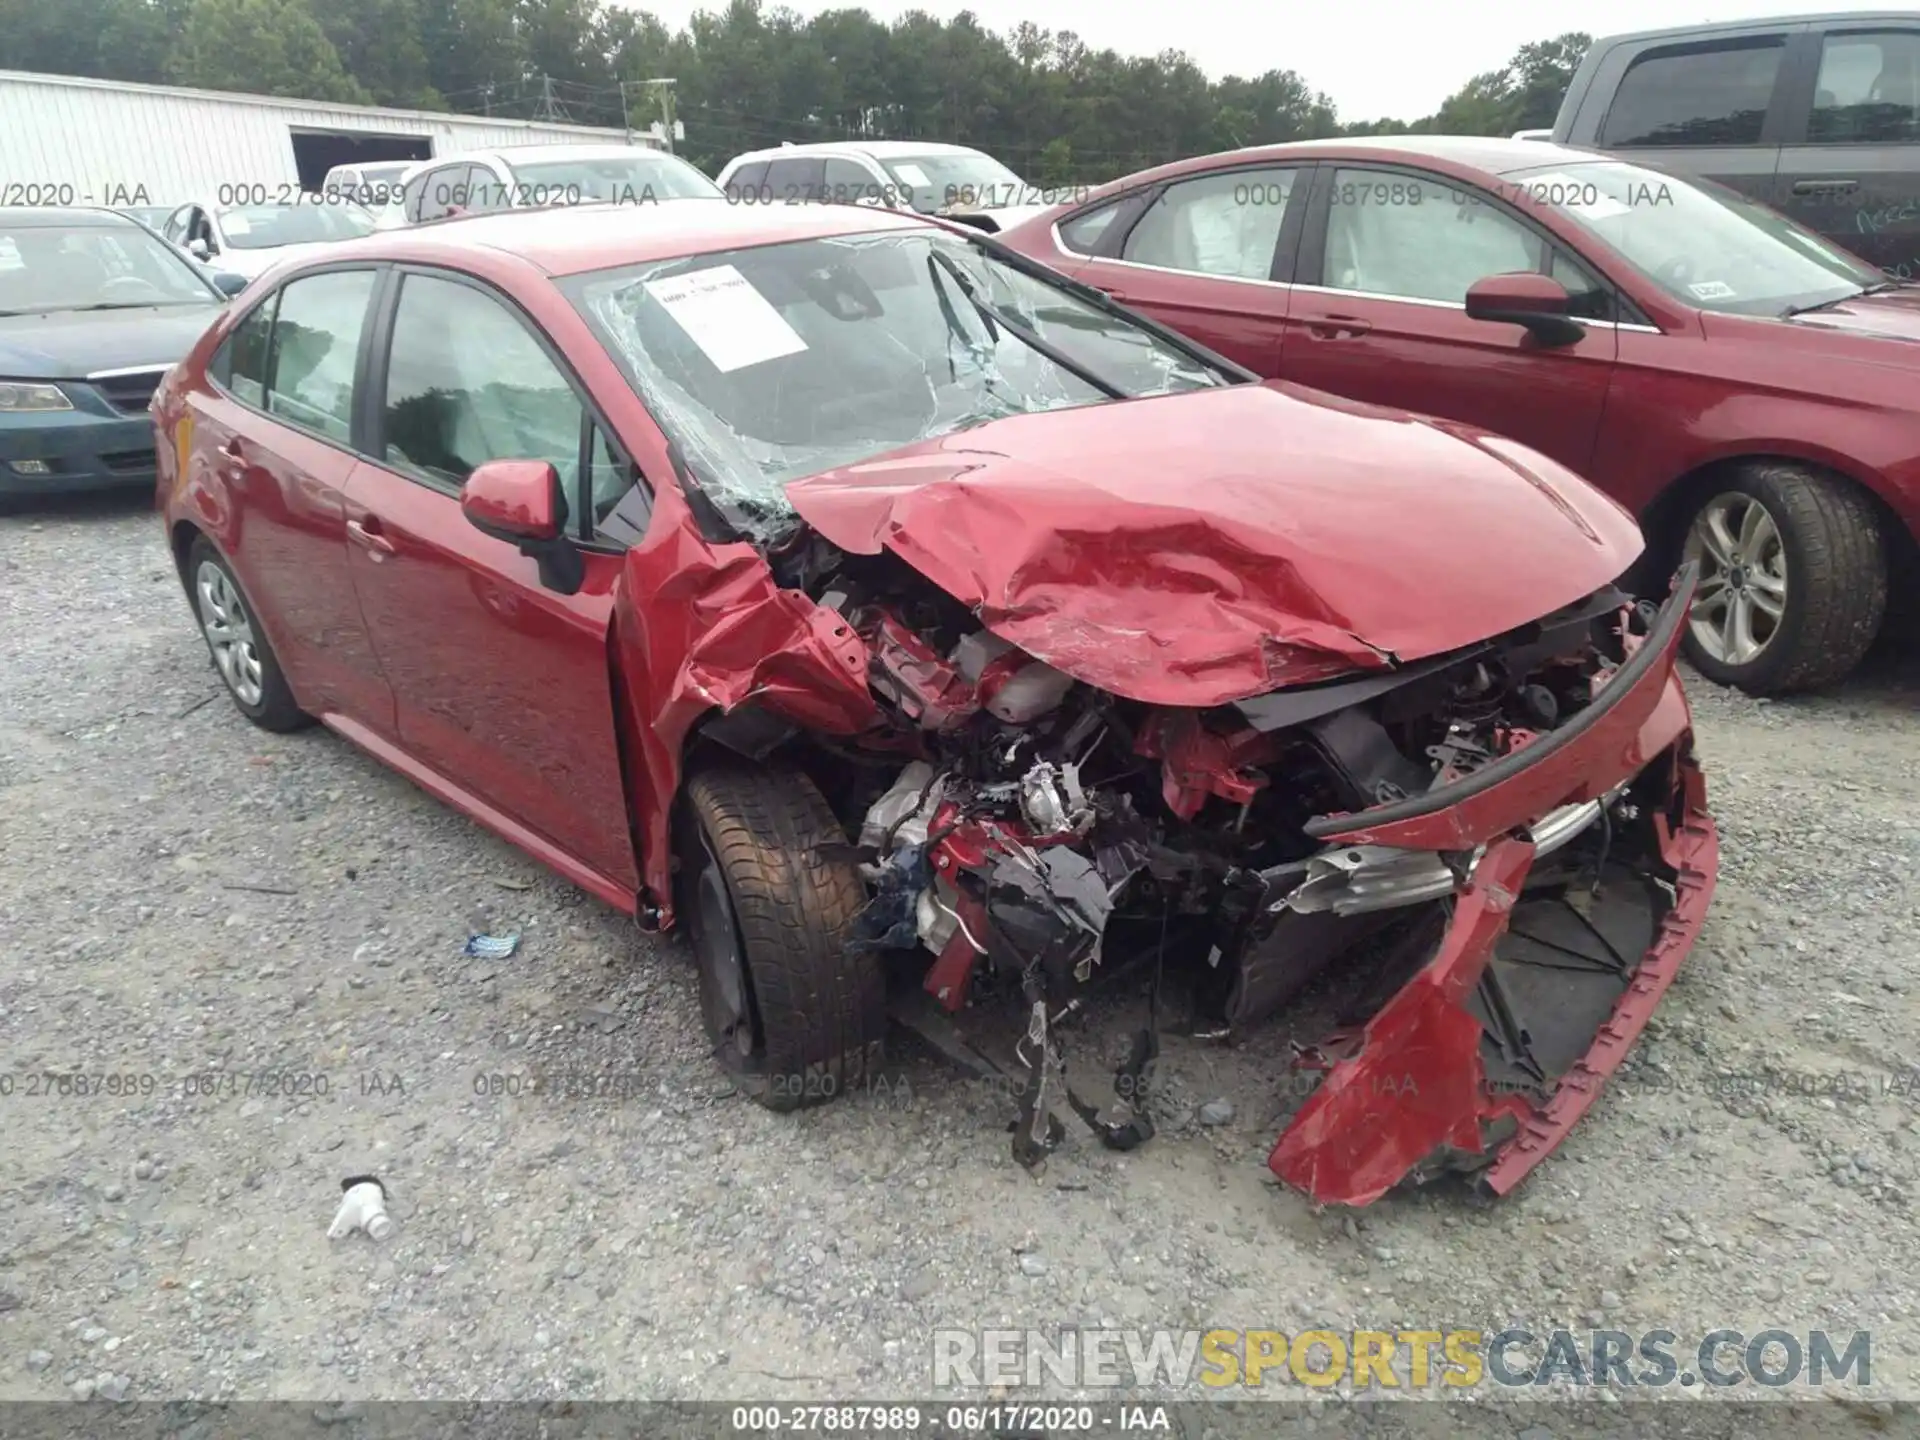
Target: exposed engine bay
1025,836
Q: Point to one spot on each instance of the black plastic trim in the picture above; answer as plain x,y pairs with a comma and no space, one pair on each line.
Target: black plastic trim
1671,617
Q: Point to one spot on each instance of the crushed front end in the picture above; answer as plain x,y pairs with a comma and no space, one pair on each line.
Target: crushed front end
1502,852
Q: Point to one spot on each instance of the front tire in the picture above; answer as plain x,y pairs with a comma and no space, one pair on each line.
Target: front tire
1793,580
794,1018
239,648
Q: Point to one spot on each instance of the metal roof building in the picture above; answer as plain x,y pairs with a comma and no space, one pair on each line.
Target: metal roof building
74,141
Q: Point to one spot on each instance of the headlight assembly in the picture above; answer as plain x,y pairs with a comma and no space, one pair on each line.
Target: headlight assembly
18,397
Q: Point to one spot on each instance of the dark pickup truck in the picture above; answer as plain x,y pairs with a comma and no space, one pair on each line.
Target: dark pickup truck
1815,115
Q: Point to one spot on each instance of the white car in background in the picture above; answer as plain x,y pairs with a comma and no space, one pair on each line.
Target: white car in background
246,239
951,181
378,186
532,177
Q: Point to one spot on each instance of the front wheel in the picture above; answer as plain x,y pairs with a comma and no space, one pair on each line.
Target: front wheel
1793,580
794,1017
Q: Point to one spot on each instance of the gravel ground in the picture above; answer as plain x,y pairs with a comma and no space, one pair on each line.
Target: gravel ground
182,895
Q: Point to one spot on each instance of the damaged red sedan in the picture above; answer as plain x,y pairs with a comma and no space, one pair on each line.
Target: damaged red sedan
926,634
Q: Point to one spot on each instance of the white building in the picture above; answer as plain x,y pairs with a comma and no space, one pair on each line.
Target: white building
65,140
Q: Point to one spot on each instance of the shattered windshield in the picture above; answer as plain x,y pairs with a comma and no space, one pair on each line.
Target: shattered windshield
777,362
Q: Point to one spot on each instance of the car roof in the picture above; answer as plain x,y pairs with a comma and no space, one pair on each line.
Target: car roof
577,238
1829,19
1497,155
37,217
879,149
551,151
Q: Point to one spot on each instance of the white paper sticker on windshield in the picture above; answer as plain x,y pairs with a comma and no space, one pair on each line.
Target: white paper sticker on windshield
726,317
235,224
912,175
1711,290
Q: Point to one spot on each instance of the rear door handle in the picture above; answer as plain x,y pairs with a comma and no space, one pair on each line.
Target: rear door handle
366,534
1818,187
1338,327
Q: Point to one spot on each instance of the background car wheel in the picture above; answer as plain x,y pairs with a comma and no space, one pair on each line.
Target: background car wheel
793,1017
1793,580
237,644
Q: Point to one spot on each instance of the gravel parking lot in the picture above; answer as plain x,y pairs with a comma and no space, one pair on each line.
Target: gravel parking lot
183,896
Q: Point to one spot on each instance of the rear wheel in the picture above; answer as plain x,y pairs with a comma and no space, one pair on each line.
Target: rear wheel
246,662
793,1016
1793,580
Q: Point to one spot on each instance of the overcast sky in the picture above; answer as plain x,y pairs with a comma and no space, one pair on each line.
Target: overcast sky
1374,57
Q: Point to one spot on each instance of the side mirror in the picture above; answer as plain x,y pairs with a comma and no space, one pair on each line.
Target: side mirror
228,283
199,248
1538,302
523,503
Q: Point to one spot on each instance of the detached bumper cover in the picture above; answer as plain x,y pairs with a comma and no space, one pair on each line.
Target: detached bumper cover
1443,1076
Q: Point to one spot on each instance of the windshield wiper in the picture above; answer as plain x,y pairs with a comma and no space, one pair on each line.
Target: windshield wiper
1019,329
1880,288
120,305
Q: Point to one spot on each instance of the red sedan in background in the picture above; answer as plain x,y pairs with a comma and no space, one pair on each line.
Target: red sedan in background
1748,390
915,623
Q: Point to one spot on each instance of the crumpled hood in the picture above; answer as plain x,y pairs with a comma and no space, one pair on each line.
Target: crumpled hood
1202,548
69,344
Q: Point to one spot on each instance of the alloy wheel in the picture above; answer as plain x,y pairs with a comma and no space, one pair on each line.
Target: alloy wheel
1742,596
229,632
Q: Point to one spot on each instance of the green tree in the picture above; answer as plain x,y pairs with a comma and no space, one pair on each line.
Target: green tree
263,47
381,44
105,39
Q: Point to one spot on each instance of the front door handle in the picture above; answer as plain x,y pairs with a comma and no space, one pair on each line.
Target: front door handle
1112,294
366,534
1822,187
230,447
1338,327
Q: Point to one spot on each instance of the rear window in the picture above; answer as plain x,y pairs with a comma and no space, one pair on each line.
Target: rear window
1699,95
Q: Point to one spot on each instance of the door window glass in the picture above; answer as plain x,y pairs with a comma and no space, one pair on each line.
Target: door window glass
1868,90
748,182
845,181
793,182
442,191
1702,95
1224,224
467,383
485,192
244,366
621,501
316,345
1082,233
1390,234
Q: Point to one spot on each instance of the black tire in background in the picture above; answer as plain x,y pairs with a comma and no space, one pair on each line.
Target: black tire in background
768,901
1836,573
275,708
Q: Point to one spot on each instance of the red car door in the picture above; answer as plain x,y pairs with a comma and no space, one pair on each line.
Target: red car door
1210,257
503,687
274,429
1379,313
